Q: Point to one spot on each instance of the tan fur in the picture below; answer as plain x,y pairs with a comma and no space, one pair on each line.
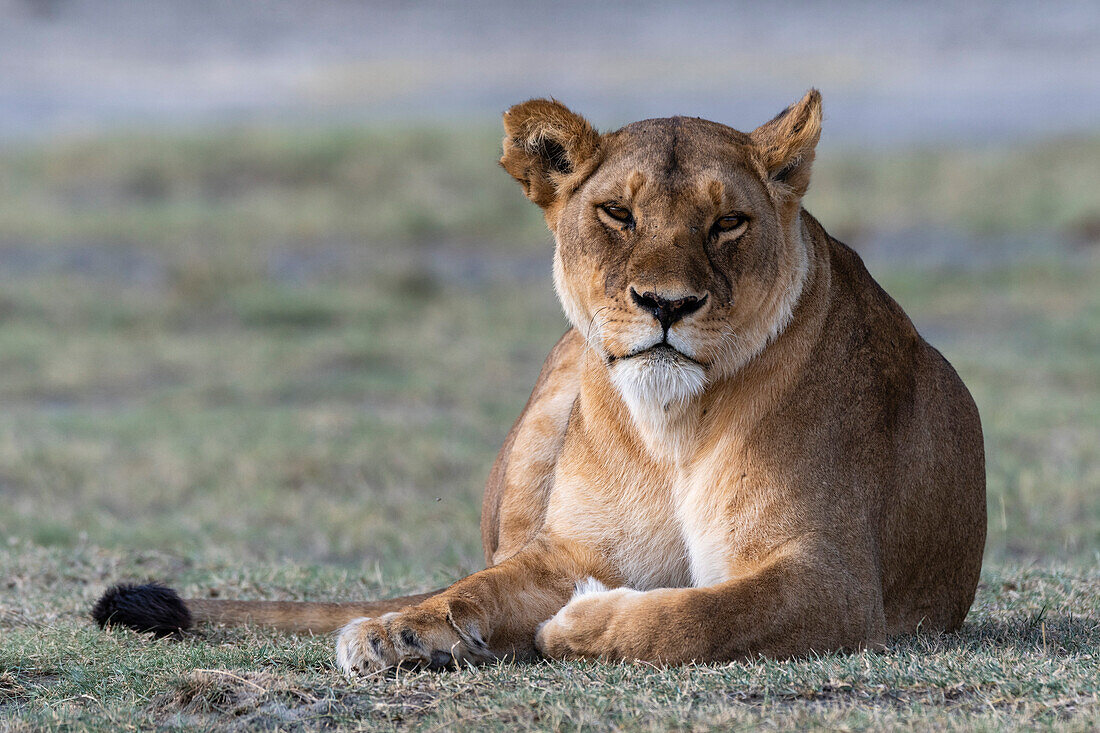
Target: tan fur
293,616
810,479
789,469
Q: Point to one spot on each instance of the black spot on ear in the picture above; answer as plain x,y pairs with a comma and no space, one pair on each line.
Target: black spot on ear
149,608
554,154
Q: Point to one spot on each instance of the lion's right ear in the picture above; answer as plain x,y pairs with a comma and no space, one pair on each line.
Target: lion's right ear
546,146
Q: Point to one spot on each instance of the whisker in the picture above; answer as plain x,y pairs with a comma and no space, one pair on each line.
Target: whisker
592,322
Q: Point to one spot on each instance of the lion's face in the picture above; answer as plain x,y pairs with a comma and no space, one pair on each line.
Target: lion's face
678,252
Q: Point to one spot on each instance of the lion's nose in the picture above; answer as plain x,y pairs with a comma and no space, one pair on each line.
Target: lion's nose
667,311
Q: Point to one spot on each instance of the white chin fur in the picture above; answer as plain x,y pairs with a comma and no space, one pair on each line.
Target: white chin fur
657,383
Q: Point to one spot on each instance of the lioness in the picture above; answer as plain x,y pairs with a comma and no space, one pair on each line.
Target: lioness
741,447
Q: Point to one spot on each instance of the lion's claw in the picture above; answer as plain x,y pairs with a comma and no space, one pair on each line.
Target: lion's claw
416,638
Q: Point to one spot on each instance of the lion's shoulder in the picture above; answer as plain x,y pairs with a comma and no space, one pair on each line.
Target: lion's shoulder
530,449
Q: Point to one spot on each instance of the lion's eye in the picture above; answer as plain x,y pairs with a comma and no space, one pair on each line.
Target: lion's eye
618,213
729,223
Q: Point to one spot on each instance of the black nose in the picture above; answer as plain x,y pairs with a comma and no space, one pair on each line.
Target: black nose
664,310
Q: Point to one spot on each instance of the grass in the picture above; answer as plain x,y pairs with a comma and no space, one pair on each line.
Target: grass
266,364
255,189
1026,658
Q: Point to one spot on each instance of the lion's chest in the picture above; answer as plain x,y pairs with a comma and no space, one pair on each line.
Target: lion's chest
656,530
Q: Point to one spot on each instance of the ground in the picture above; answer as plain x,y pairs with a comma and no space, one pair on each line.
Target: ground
278,364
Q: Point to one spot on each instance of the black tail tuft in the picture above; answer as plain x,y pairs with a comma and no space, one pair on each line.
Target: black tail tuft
151,607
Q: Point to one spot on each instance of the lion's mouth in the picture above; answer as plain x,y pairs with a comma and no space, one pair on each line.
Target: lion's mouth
660,353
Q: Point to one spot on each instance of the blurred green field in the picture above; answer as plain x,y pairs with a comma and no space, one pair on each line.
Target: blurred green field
225,200
273,363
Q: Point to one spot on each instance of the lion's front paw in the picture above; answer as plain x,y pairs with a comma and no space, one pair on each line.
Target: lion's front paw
416,637
582,628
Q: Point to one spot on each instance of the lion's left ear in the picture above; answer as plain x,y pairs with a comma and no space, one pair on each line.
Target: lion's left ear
546,145
785,145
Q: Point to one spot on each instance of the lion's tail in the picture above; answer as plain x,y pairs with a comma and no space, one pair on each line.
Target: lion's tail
158,609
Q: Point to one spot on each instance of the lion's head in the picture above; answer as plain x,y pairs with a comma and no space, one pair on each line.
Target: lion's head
679,250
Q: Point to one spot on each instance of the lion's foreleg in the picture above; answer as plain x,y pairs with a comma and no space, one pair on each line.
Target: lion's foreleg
489,615
788,608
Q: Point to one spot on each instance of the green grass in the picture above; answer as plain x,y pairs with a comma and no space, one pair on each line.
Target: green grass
258,188
254,189
997,189
220,369
1026,658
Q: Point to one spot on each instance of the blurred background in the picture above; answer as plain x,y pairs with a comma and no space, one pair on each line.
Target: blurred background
265,294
